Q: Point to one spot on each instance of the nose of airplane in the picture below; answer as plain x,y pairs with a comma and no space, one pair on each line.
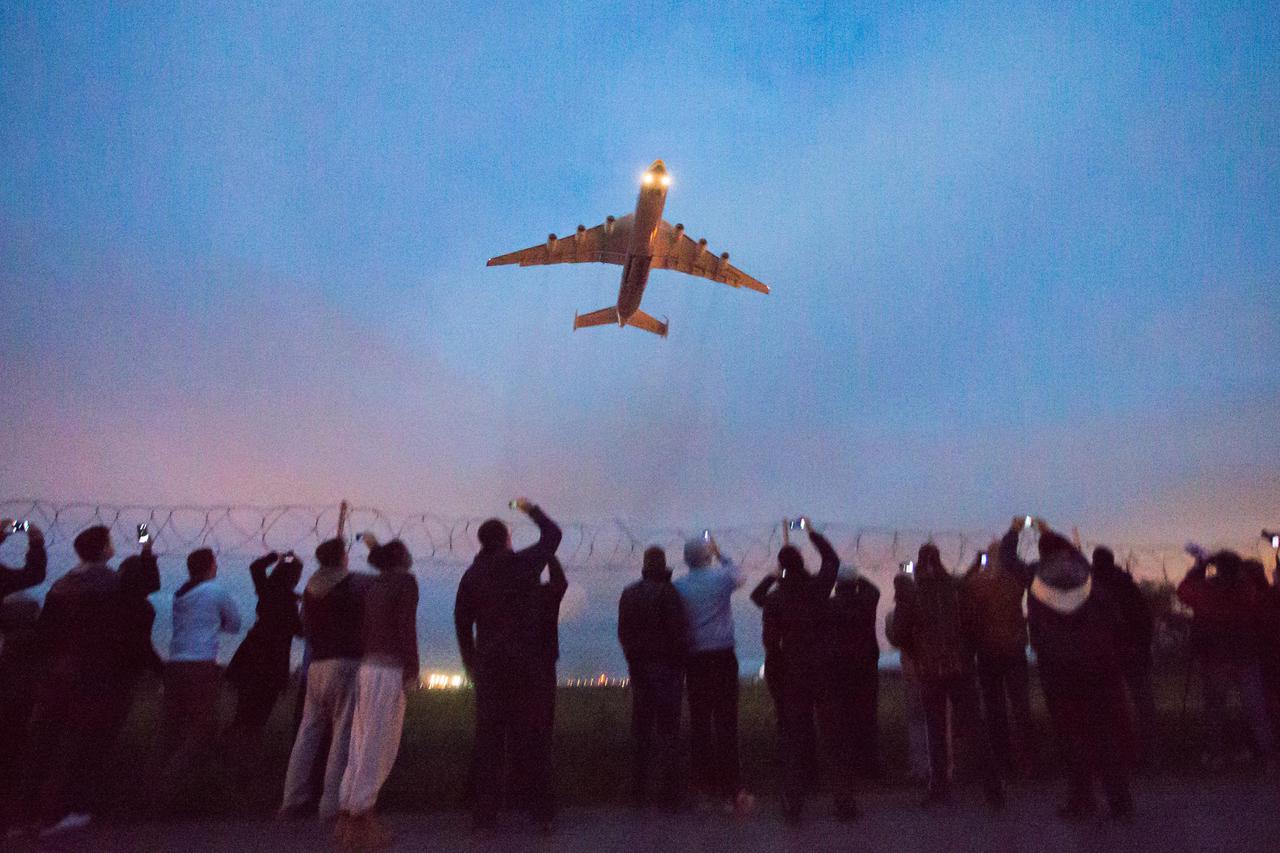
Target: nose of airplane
658,167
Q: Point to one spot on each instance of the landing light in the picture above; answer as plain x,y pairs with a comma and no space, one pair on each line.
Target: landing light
666,180
647,180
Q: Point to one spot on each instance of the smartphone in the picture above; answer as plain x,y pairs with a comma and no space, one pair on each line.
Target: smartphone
1275,541
19,526
907,567
706,536
1027,521
1210,571
800,523
144,535
982,559
514,504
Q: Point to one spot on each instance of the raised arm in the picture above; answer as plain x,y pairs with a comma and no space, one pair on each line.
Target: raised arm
1009,559
33,570
539,553
762,590
258,571
830,567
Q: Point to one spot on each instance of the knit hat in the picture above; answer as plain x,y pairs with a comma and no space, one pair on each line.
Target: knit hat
848,573
200,563
91,542
697,552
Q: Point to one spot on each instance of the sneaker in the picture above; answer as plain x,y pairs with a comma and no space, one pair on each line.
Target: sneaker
69,822
342,829
367,833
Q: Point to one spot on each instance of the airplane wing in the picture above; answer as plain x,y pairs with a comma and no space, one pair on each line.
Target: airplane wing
676,250
604,244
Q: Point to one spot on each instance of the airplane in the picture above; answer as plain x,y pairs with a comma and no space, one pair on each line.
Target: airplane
638,242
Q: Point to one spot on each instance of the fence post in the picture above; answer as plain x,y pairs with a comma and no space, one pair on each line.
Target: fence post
786,533
342,519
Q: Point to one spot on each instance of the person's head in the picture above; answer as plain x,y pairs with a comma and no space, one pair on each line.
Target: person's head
93,544
655,564
287,573
1228,564
1052,542
202,564
791,562
1104,561
138,577
494,535
391,557
929,562
697,552
332,554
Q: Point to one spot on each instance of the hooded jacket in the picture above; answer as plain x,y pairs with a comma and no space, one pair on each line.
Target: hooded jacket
652,627
1075,625
496,615
852,624
262,661
931,624
993,595
796,620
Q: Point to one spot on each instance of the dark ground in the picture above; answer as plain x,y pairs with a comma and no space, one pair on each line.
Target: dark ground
1232,814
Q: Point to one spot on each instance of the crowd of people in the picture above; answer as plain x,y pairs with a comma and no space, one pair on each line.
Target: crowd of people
68,671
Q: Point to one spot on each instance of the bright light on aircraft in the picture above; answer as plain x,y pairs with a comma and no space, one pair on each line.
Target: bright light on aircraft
647,180
666,180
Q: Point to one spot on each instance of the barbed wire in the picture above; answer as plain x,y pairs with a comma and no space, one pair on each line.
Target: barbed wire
247,530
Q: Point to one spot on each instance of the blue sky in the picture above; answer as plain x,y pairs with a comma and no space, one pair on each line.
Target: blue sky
1022,258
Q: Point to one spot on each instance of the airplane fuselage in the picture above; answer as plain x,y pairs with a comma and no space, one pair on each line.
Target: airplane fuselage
648,216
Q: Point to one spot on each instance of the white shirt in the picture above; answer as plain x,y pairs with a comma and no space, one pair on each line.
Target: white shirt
199,616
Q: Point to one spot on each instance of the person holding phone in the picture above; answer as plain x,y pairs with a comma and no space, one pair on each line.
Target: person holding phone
795,633
933,627
76,653
712,672
17,673
497,618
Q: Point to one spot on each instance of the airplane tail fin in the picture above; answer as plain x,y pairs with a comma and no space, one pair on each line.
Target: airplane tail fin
603,317
642,320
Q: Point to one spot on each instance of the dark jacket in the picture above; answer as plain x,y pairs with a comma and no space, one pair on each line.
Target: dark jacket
1225,612
1137,624
932,626
550,594
496,612
135,616
391,620
18,619
993,596
1077,631
333,619
796,621
262,661
852,625
652,626
76,634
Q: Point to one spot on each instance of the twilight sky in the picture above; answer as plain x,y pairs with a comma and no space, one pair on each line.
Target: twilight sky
1025,259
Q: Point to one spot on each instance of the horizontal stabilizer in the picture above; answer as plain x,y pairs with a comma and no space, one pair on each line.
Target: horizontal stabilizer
642,320
603,317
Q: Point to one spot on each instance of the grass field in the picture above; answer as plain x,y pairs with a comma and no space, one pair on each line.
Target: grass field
591,751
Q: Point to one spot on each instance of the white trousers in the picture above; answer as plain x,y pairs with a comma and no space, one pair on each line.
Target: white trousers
375,736
326,716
